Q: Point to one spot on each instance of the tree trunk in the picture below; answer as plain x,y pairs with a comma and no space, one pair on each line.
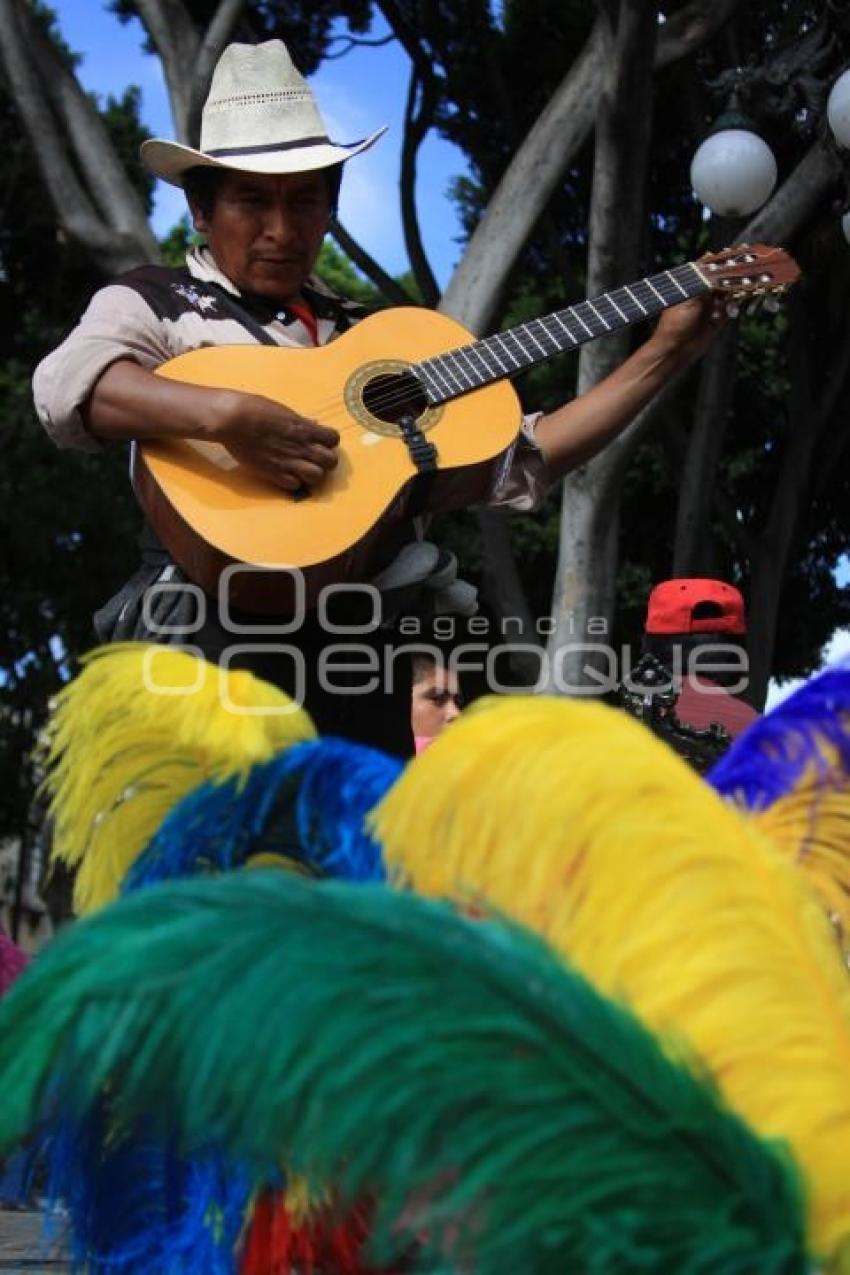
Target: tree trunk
794,203
812,407
93,197
187,59
693,543
71,146
546,154
502,590
585,580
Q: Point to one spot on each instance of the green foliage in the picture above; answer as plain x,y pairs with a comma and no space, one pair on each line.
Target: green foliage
339,273
180,238
67,520
121,118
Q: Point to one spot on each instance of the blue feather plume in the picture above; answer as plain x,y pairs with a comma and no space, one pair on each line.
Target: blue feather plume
308,803
810,729
135,1205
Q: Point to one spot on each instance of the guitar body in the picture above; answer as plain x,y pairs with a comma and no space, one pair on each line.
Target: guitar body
211,512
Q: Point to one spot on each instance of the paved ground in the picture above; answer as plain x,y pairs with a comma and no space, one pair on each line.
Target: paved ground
22,1250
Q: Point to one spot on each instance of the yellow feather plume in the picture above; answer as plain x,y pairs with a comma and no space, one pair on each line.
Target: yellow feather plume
574,819
811,827
138,729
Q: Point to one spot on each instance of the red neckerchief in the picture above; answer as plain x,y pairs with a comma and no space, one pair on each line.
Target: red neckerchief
303,312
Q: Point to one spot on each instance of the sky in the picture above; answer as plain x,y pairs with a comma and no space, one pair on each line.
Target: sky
357,93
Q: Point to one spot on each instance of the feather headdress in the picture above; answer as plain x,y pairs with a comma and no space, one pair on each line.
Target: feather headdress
792,769
575,820
137,729
307,805
134,1206
806,737
506,1115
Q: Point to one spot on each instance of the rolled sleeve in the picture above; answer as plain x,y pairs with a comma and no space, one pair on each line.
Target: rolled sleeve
118,324
521,480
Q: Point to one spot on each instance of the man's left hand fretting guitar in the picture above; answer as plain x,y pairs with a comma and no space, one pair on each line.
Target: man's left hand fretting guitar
414,397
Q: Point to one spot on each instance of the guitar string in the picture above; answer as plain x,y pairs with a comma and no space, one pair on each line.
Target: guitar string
397,396
336,408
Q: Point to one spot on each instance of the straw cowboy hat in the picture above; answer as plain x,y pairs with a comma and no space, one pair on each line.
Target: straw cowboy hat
260,117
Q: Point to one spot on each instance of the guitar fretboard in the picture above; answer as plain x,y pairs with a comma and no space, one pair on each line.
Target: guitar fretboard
468,367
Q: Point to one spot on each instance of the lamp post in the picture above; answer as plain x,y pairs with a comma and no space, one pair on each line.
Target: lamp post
838,109
838,118
733,172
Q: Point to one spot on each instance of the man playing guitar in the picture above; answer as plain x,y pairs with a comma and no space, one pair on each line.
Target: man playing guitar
261,189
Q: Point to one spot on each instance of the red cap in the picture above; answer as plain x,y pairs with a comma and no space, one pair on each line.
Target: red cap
695,606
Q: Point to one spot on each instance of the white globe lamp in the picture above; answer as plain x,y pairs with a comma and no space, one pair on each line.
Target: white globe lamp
838,109
734,171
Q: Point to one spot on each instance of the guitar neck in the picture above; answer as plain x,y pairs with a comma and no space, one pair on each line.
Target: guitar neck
468,367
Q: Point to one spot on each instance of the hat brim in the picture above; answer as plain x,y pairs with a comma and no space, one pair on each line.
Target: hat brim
170,160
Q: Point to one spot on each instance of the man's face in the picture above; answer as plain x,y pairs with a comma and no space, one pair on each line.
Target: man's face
265,231
435,703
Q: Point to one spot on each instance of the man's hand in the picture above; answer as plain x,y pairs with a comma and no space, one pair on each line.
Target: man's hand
130,402
289,449
686,331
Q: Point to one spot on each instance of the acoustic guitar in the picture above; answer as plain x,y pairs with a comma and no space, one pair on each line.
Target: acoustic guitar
425,413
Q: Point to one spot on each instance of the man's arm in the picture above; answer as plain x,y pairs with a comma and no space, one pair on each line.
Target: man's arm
575,433
130,402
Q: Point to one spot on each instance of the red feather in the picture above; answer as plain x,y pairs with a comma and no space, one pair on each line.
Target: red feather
321,1245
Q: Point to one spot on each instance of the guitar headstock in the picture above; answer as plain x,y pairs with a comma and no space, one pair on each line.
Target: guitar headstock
748,270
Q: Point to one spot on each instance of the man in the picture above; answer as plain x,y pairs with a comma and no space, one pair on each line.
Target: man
261,188
697,628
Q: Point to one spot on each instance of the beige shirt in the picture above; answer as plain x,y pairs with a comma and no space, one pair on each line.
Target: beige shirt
120,323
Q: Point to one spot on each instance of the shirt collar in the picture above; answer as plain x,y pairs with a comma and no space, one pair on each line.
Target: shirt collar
324,302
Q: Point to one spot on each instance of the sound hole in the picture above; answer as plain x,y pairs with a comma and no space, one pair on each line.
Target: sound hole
389,397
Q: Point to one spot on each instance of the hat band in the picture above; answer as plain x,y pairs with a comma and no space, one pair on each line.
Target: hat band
323,140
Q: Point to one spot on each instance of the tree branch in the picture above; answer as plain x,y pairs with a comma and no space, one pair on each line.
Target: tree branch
177,42
115,249
525,188
547,152
40,124
355,42
416,126
212,46
392,290
797,199
688,30
117,201
406,35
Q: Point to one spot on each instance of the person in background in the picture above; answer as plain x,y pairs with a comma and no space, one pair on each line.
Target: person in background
698,629
436,699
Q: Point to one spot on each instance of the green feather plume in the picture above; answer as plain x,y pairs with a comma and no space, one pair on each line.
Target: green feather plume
497,1107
